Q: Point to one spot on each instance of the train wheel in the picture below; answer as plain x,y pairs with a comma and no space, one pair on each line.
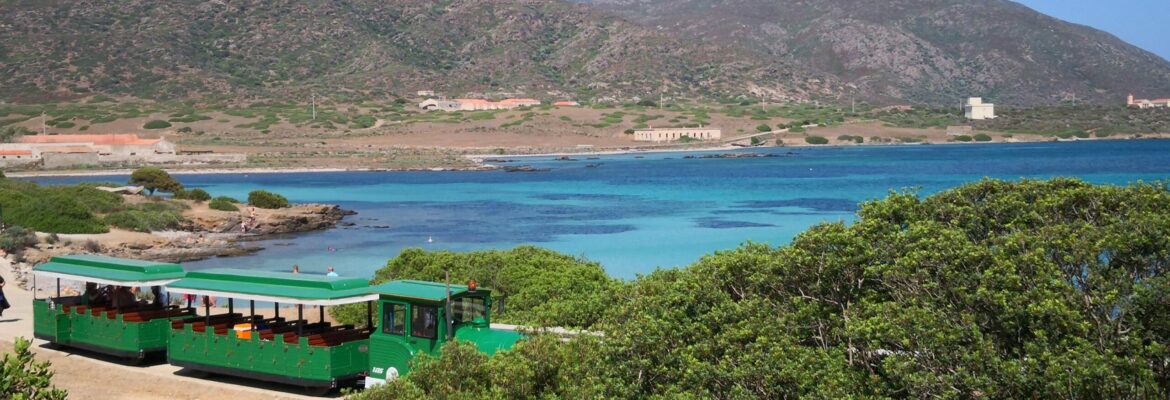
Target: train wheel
317,391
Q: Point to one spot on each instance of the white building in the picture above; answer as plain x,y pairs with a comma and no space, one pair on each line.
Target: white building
672,134
1147,103
444,105
975,108
426,93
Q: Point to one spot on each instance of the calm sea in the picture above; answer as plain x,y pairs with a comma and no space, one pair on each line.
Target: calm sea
634,213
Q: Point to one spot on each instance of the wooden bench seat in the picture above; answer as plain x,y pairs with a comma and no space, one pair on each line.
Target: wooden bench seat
179,323
338,337
143,316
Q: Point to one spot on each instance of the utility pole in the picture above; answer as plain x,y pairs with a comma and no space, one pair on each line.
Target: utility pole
853,104
313,100
43,128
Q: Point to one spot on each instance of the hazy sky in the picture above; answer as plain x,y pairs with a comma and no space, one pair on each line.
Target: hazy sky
1143,23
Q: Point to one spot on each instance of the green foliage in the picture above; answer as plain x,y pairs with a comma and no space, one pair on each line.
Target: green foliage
850,138
763,128
796,129
756,140
154,178
266,199
1003,290
526,279
223,203
156,124
16,238
46,209
648,103
22,377
983,137
816,140
10,133
196,194
148,217
963,138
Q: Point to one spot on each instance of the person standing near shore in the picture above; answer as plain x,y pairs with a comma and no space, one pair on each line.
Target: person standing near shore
330,272
296,269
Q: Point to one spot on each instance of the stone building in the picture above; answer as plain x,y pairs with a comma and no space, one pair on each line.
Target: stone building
975,108
673,134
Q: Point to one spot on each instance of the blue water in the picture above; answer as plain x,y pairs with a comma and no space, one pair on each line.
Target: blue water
634,213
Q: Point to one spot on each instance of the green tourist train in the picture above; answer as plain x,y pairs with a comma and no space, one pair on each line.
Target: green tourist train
290,345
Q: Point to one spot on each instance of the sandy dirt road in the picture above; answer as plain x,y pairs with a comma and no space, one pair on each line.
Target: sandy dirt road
88,375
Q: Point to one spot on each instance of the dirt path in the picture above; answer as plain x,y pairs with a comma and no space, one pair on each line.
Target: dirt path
92,376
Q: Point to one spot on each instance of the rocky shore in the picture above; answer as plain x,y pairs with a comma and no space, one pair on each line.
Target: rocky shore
205,233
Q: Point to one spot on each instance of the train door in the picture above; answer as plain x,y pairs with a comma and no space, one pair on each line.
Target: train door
390,347
424,327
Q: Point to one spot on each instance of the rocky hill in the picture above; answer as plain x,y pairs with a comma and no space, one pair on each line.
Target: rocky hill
920,50
900,50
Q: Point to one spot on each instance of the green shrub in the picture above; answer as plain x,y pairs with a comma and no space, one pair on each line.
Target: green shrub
763,128
266,199
141,220
223,203
816,140
65,125
796,129
963,138
982,137
196,194
50,211
156,124
22,377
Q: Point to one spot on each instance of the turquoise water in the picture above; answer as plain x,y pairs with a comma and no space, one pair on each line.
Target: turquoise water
634,213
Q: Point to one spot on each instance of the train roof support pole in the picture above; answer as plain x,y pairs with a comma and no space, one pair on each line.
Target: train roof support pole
369,314
252,309
321,317
276,306
300,320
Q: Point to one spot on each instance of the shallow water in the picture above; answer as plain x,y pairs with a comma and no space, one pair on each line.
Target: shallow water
636,212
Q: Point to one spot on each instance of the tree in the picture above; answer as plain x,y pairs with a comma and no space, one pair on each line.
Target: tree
763,128
816,140
154,178
24,378
156,124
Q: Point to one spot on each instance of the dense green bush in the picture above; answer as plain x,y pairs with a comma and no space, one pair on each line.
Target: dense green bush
223,203
816,140
763,128
993,290
981,137
49,211
148,217
22,377
156,124
196,194
963,138
266,199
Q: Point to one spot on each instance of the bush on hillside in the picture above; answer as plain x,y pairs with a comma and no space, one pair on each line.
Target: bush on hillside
981,137
266,199
816,140
23,377
223,203
16,238
763,128
963,138
49,211
156,124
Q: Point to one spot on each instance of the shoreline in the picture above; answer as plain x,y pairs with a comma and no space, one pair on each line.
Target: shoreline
483,165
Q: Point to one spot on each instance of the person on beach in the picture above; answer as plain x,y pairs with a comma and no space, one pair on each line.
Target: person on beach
296,269
244,226
331,272
3,300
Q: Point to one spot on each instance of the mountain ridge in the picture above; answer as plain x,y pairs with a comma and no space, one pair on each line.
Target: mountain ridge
916,51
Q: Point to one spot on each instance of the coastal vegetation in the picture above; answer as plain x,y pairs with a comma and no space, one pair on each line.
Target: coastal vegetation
154,178
816,140
1029,289
223,203
22,377
266,199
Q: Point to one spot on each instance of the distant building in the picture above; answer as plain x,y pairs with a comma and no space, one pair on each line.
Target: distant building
116,145
672,134
1146,103
476,104
975,108
426,93
566,103
444,105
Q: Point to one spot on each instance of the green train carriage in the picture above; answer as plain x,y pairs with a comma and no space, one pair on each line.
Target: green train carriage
131,330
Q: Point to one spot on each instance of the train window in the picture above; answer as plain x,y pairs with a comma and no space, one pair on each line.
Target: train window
394,319
468,309
423,321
